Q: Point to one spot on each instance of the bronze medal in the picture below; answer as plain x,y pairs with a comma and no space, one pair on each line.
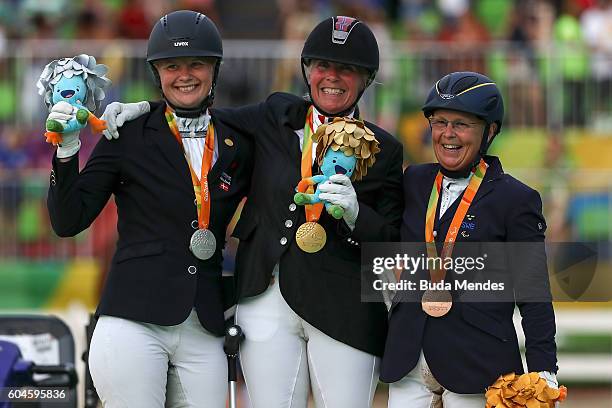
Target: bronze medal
436,303
310,237
203,244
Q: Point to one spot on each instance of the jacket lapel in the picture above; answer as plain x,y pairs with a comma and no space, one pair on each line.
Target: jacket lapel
294,119
494,172
227,150
292,145
492,175
160,134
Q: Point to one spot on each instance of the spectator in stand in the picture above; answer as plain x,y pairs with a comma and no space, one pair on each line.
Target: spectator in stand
527,105
596,25
573,64
465,35
133,22
91,25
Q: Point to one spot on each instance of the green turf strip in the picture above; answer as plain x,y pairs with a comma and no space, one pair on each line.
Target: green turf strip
585,343
28,284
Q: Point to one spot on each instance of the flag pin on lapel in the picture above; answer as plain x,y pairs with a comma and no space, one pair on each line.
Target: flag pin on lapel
226,181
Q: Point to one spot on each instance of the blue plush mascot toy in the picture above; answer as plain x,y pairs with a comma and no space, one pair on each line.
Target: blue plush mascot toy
345,146
79,82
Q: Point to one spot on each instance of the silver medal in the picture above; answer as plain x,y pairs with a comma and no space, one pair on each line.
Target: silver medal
203,244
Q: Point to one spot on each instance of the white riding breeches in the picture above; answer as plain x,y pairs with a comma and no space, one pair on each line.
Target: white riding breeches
283,355
419,389
142,365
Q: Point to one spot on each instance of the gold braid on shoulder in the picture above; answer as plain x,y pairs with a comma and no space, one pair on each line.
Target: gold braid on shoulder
350,136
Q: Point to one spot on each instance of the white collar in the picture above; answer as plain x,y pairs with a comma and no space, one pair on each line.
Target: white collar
316,120
458,183
193,127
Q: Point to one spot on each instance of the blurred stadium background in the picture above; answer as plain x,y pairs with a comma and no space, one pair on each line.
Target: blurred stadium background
551,58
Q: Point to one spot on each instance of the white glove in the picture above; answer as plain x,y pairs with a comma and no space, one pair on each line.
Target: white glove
63,112
551,379
70,145
117,113
339,191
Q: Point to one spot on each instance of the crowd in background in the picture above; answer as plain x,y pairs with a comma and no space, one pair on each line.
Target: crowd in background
467,21
518,43
551,58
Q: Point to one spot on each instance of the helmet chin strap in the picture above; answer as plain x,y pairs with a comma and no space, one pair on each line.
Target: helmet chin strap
482,150
456,174
190,112
339,114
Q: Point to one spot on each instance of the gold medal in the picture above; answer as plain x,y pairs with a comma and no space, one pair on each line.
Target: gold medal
436,303
310,237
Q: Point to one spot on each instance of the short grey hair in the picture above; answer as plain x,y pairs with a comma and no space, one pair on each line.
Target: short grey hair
94,75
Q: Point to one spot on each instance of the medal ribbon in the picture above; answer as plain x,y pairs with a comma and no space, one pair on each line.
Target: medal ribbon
313,211
200,186
449,242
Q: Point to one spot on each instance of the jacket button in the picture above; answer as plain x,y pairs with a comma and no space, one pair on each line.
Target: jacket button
435,234
192,269
292,207
283,240
288,223
194,224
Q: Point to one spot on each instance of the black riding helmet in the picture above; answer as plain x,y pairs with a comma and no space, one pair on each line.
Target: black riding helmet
185,33
469,92
344,40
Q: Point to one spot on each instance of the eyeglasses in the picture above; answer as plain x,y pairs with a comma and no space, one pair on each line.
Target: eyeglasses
457,125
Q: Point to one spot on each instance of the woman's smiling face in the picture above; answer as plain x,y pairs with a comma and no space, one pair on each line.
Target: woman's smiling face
186,81
456,138
334,87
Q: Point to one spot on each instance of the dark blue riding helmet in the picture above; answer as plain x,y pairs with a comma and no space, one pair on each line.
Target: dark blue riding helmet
468,92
